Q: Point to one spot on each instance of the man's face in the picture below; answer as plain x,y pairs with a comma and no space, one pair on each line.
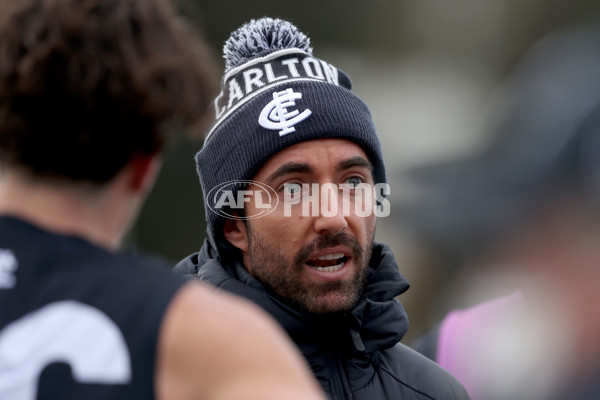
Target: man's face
315,261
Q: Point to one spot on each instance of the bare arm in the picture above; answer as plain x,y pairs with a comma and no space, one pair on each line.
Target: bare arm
216,346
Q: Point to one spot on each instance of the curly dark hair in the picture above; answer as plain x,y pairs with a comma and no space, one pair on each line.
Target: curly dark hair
87,84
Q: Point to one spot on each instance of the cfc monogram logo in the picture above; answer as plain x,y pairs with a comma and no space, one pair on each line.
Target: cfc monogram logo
275,115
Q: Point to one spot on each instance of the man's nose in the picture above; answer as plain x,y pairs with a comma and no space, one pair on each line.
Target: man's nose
330,217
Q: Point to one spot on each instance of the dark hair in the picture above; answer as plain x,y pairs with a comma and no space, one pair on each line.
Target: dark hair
87,84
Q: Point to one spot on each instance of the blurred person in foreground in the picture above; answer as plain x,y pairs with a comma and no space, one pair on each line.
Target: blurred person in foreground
528,205
88,89
292,154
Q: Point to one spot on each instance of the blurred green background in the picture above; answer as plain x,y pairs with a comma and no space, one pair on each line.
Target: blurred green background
426,68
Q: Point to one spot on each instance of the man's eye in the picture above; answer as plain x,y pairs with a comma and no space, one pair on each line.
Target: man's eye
292,189
354,181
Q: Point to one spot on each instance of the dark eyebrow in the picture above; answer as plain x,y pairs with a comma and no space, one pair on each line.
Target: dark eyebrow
356,161
299,167
289,168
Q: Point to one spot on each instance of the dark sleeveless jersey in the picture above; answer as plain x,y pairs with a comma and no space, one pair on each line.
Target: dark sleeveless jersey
76,321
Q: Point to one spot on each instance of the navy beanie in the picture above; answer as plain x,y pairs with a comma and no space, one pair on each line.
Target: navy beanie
275,94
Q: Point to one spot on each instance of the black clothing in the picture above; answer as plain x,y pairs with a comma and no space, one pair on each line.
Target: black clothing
354,356
76,321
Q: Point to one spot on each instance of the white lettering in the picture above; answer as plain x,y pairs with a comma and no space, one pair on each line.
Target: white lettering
363,200
291,64
329,200
258,200
270,75
310,200
226,199
347,190
252,77
293,196
243,197
219,112
65,331
235,92
331,73
381,191
356,200
317,73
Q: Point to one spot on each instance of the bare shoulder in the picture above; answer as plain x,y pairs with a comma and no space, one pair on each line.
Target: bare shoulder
217,346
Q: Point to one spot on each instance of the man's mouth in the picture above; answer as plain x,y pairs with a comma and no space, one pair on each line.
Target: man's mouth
329,262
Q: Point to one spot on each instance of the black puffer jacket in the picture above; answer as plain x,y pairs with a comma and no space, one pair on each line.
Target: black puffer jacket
357,356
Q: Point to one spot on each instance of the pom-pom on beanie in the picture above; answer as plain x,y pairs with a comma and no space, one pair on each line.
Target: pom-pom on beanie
275,94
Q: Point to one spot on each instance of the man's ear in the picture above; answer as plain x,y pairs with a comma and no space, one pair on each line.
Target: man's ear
235,232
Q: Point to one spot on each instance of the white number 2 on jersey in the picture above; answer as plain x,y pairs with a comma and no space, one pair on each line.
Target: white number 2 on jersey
66,331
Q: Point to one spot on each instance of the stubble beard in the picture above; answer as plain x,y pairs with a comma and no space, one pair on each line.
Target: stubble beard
286,279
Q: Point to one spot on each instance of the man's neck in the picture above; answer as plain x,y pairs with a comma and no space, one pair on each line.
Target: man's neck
90,212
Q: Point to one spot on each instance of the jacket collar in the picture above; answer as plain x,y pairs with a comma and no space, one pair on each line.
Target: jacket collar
377,322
